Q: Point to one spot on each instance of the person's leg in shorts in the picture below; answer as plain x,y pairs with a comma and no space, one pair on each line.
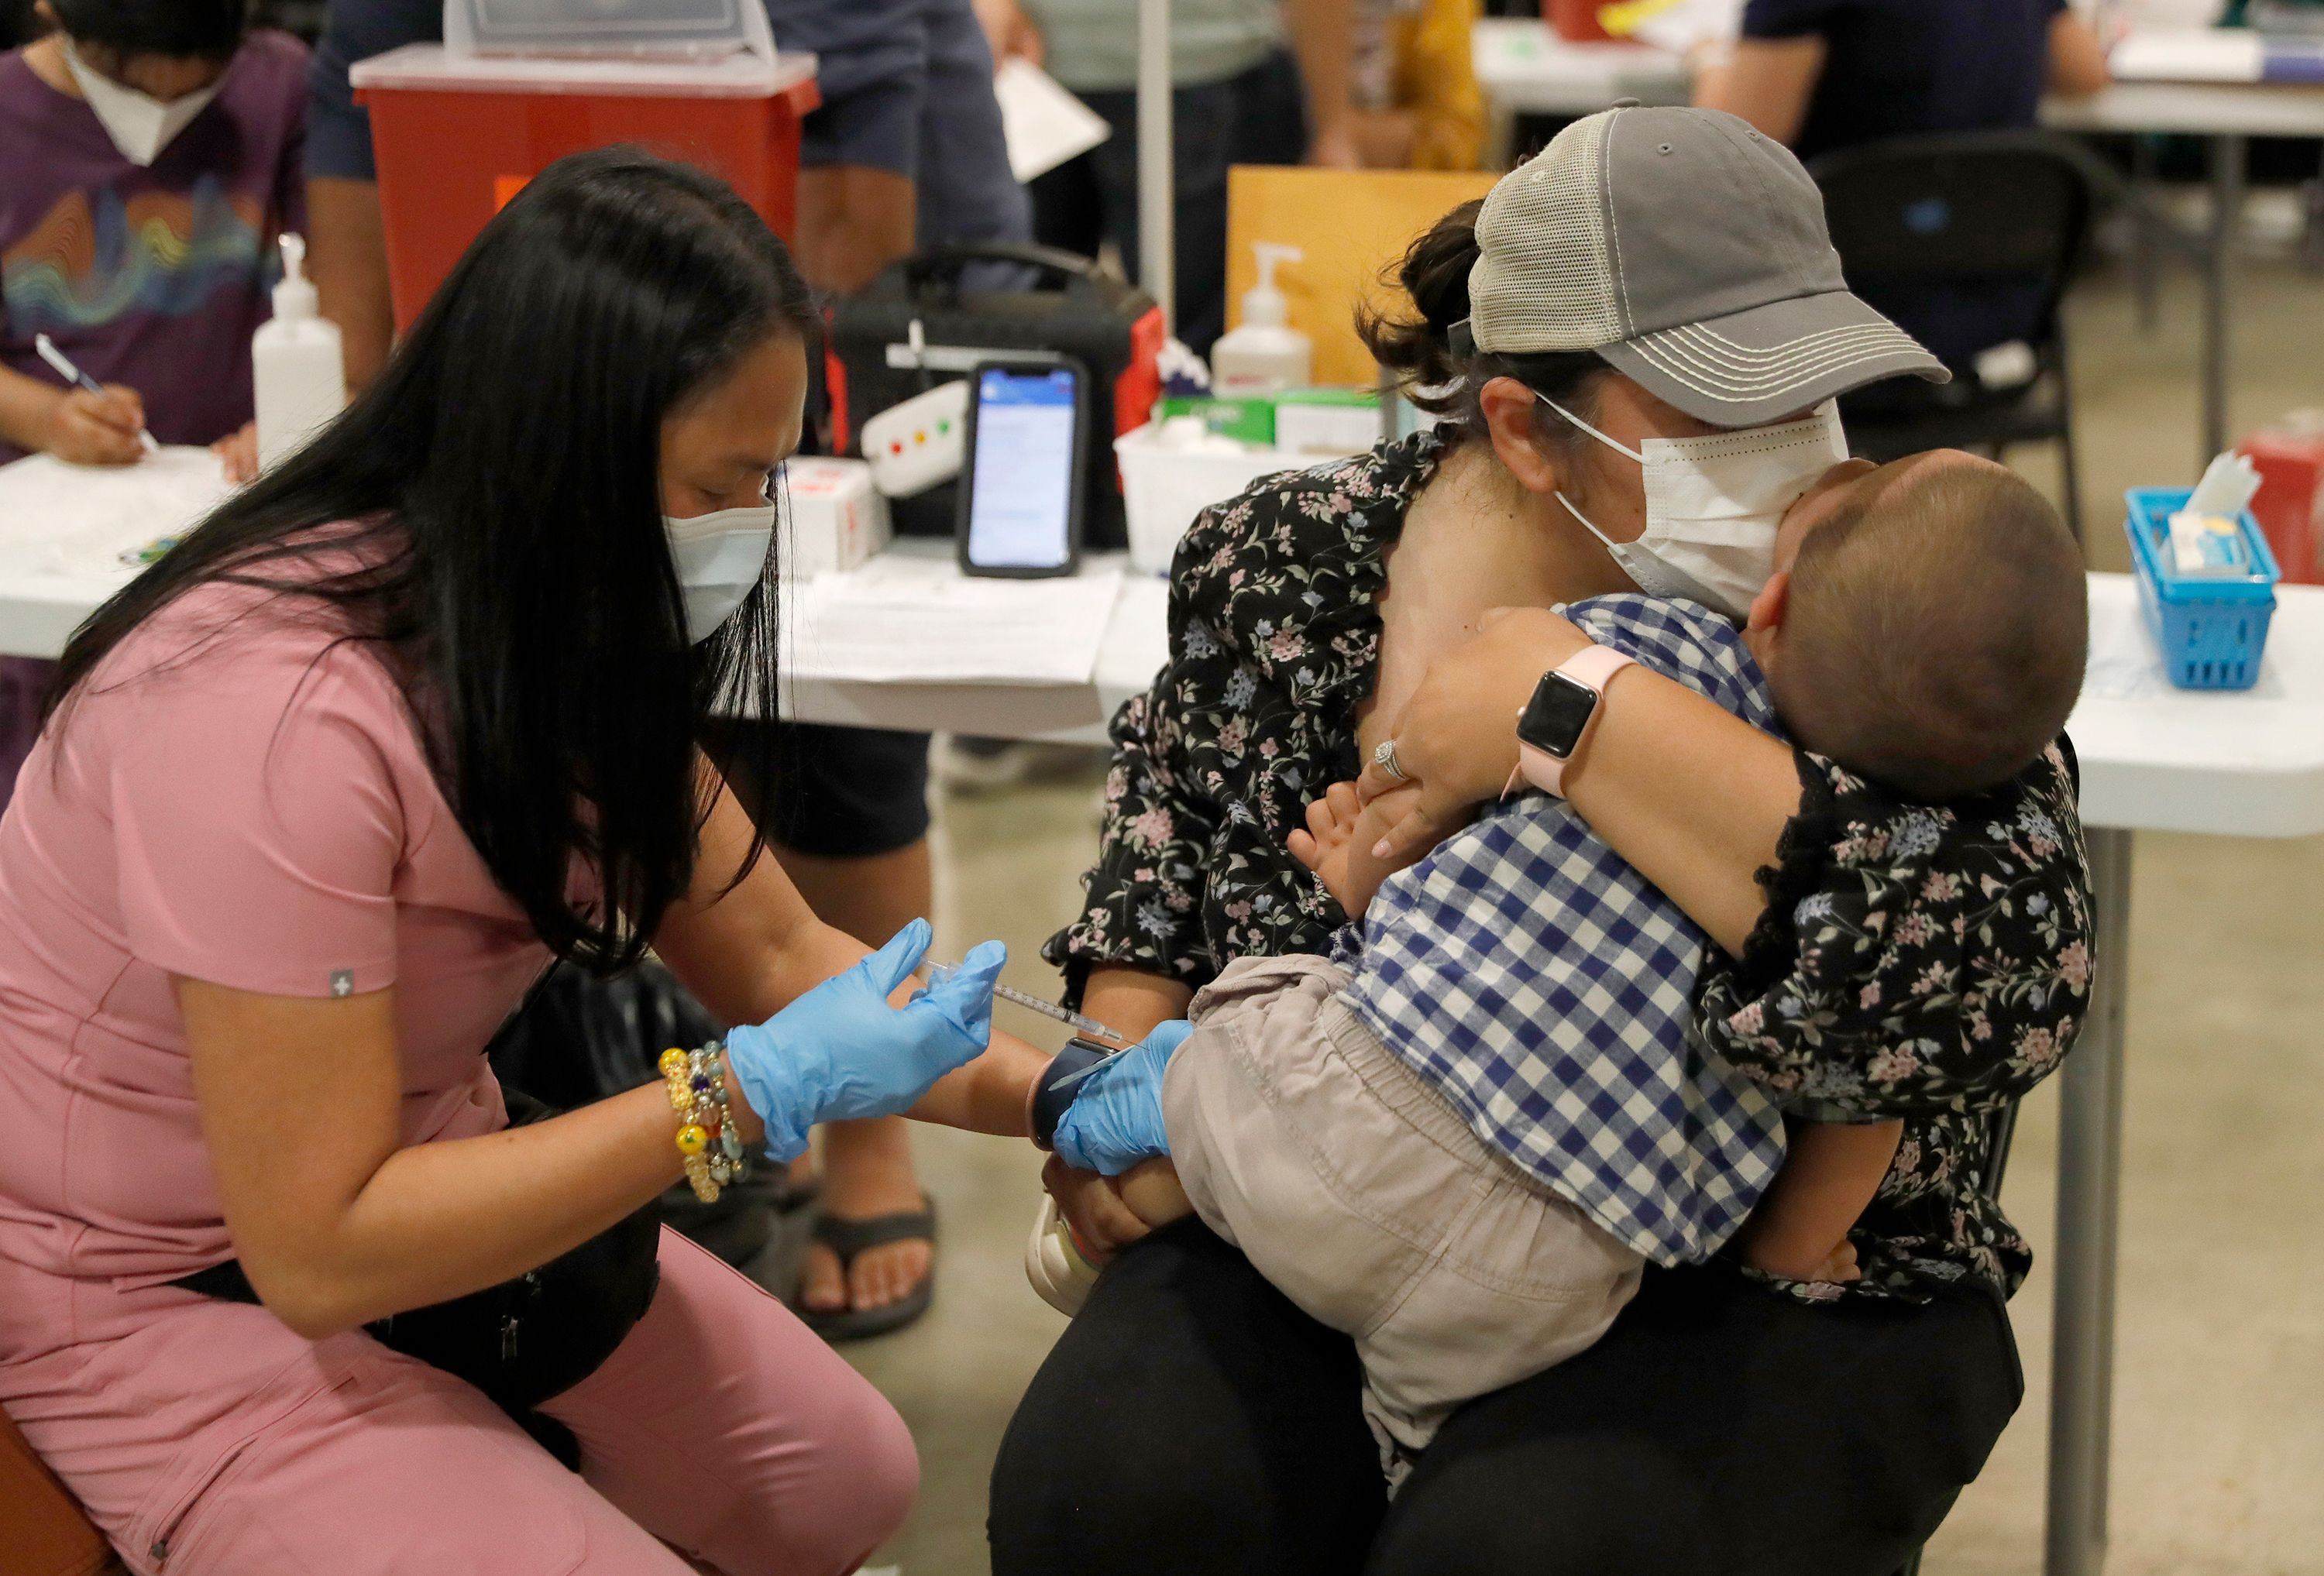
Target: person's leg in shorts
847,810
968,194
860,150
909,139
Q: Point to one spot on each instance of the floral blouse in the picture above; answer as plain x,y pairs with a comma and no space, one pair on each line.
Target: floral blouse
1927,963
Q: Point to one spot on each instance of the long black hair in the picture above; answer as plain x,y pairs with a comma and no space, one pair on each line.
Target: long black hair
499,485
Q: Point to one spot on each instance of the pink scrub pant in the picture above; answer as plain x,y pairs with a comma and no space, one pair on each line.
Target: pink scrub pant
207,1437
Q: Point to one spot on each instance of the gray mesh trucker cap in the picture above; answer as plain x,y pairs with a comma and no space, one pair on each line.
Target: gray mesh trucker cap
1689,252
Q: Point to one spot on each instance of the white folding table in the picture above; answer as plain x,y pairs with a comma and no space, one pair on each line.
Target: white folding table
1525,69
2163,759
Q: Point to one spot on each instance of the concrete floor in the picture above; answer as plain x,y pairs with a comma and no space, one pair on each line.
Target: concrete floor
2219,1407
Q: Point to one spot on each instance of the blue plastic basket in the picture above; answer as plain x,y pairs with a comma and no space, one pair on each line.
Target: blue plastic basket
2211,628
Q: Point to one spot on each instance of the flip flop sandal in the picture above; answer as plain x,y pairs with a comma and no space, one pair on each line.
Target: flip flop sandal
848,1239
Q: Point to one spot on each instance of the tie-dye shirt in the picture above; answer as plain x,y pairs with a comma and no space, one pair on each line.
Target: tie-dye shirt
154,277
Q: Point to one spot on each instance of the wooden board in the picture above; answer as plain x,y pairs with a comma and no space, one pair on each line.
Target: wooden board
1353,225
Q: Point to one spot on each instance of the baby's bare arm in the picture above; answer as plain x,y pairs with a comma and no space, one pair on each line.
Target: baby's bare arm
1830,1174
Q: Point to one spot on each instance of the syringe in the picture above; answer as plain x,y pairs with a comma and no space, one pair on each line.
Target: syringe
937,973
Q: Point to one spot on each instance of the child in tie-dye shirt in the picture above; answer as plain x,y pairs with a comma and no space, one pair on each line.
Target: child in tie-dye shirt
153,153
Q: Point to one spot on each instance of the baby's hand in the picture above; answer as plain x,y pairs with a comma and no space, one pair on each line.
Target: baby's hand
1337,844
1323,846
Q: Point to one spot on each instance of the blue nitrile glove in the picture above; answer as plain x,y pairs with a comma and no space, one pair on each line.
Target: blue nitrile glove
842,1052
1116,1119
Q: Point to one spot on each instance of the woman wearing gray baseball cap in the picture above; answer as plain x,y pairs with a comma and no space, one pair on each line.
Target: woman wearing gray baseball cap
1634,342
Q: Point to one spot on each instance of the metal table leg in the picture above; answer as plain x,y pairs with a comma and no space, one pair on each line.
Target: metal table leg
1157,184
2089,1189
2142,247
2228,156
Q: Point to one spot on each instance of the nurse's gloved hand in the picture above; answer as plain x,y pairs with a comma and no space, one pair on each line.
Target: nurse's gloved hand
1115,1120
842,1052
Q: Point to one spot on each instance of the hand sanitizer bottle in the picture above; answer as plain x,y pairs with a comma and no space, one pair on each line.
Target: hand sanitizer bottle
1264,355
297,367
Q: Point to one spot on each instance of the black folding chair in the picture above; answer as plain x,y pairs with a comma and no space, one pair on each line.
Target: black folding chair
2003,213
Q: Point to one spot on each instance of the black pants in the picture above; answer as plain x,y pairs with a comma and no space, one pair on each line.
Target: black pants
1191,1419
1258,118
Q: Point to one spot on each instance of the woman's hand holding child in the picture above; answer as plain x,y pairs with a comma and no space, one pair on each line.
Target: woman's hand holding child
1456,742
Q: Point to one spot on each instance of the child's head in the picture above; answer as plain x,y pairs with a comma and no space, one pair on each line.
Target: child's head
1926,624
164,48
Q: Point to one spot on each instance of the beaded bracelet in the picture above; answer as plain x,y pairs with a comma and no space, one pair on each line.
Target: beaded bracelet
707,1144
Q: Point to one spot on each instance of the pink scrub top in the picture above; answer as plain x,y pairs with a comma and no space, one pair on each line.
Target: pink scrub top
240,797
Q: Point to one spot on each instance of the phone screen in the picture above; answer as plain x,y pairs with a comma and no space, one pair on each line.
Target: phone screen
1021,504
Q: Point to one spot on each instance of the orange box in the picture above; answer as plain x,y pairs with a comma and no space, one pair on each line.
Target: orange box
457,137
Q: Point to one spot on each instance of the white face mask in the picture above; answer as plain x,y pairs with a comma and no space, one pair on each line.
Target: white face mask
140,124
720,558
1713,504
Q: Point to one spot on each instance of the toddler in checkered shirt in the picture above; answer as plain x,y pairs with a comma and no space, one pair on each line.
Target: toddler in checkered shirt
1461,1138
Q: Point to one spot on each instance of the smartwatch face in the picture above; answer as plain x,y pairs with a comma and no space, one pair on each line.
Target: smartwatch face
1553,718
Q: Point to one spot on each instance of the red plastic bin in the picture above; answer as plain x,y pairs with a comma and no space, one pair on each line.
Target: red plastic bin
456,136
2290,504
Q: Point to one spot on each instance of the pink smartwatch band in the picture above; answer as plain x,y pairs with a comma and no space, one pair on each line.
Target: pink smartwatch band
1593,667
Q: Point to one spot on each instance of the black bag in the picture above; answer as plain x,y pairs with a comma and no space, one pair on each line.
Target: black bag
577,1039
525,1341
1113,329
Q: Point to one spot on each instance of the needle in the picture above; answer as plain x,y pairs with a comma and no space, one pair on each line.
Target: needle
74,375
938,973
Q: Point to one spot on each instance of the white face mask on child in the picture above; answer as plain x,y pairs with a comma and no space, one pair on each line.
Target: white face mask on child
140,124
1713,504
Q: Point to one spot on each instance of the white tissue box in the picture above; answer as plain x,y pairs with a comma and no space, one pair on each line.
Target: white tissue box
838,520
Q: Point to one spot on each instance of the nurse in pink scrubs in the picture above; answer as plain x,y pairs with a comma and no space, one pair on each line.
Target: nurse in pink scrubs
323,792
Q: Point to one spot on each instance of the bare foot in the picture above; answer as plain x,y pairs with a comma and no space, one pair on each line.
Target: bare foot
1150,1188
867,1171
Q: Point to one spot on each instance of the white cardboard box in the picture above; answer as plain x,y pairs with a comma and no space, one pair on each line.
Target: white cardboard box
838,520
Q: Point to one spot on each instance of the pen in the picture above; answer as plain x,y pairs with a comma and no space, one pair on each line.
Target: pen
74,375
938,973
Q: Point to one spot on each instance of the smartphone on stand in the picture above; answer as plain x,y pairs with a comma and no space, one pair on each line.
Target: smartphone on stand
1021,491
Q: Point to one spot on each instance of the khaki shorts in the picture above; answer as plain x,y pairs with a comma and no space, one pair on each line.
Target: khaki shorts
1354,1187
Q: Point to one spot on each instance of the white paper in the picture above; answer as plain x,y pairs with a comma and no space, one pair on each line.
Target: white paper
2190,54
76,522
905,619
1043,124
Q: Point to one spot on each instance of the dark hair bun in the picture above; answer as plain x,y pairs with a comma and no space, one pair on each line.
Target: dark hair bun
1435,274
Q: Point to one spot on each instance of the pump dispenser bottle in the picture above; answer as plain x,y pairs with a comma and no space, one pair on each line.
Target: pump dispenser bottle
1265,355
299,372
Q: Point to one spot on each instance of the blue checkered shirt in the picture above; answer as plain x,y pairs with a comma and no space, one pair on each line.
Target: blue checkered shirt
1546,989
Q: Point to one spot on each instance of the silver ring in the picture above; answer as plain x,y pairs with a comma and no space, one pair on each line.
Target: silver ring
1384,757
